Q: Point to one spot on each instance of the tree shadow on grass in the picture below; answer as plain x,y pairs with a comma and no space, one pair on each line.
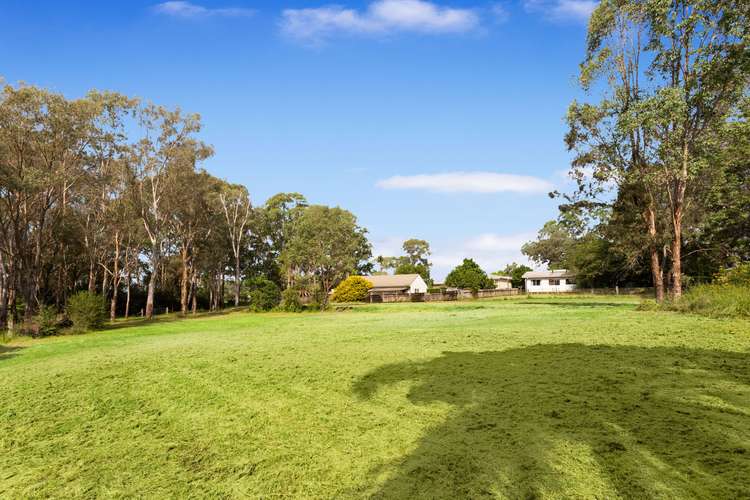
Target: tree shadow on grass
577,304
8,351
573,420
170,318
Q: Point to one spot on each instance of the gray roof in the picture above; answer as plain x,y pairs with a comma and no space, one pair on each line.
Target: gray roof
555,273
392,281
500,277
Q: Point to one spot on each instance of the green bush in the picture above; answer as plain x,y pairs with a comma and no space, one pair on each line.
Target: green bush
290,300
738,275
714,300
46,322
87,311
264,295
470,276
352,289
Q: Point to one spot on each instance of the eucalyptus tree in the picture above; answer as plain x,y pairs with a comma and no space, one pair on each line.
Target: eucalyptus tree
167,141
236,206
670,71
324,245
701,64
190,221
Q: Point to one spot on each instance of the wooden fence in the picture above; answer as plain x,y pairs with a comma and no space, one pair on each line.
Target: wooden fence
482,294
440,296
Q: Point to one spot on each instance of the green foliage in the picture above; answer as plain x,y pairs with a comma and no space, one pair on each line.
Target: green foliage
516,272
87,311
417,251
264,295
731,301
325,243
414,262
46,322
352,289
737,275
290,300
551,247
470,276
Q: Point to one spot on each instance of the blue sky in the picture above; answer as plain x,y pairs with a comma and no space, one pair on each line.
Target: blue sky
440,119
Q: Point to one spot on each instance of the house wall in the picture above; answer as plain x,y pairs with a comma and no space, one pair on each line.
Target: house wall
503,285
545,287
418,286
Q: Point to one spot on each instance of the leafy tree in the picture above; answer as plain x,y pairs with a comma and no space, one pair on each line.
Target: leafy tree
290,300
673,72
470,276
264,294
352,289
552,246
168,144
324,244
416,260
236,206
516,272
417,251
86,311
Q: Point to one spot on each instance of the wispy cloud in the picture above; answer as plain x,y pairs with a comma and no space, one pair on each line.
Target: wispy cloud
468,182
491,251
562,10
500,13
185,9
380,17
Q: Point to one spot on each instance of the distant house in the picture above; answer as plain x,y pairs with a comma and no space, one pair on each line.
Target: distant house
502,282
397,283
557,280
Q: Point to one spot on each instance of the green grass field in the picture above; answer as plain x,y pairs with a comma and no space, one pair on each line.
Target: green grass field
523,398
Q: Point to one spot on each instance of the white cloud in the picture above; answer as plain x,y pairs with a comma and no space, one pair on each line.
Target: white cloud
500,13
490,250
380,17
185,9
562,10
388,246
468,182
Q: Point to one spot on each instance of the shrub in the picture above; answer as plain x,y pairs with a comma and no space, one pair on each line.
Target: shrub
86,311
46,322
715,300
264,295
290,300
738,275
352,289
469,275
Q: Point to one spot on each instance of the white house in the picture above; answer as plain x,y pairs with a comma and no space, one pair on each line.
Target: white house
397,283
556,280
502,282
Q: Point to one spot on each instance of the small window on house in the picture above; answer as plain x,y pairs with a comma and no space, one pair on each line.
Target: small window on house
570,281
536,282
554,282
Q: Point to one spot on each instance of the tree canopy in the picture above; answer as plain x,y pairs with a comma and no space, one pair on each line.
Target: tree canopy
470,276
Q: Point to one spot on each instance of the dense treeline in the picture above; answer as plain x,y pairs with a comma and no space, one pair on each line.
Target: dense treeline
107,194
662,159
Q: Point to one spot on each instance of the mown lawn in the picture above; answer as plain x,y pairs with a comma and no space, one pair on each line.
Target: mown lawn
522,398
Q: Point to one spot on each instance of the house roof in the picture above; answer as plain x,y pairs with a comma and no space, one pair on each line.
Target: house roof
395,281
500,277
555,273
